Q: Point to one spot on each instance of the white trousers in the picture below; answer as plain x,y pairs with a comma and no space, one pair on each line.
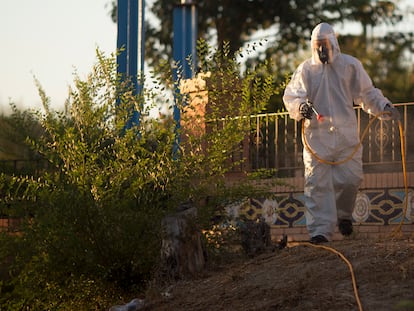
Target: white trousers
330,192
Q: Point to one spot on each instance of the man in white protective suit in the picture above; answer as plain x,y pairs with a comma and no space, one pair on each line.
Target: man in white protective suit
329,84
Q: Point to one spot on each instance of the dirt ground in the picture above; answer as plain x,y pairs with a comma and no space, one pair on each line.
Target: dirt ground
302,277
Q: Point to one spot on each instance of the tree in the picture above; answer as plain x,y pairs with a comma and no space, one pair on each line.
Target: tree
16,128
369,13
236,21
291,21
385,59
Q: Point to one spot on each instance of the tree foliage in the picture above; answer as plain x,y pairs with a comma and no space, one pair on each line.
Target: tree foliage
290,22
385,60
237,22
15,128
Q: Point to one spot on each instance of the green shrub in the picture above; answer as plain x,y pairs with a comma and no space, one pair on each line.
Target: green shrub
92,227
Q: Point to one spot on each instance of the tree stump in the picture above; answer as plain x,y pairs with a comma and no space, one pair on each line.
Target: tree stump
182,251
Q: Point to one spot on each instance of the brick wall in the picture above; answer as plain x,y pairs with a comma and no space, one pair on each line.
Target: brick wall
361,231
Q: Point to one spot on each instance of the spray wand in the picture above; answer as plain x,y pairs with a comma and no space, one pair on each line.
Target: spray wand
319,117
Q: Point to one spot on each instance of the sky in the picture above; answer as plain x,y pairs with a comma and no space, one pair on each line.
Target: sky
49,40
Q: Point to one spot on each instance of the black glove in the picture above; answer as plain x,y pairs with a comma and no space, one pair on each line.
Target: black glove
393,113
306,111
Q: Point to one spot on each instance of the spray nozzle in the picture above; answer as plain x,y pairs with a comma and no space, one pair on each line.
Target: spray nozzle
319,117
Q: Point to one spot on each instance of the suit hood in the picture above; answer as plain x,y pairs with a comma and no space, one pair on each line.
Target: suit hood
321,32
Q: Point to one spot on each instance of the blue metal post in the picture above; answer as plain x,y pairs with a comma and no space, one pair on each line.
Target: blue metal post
185,37
122,36
184,49
131,38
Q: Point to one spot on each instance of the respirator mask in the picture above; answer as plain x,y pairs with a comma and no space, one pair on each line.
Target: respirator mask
323,54
324,50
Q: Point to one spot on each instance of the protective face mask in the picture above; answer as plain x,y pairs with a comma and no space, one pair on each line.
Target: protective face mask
323,53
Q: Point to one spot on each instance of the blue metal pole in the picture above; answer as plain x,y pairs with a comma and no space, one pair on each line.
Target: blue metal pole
141,44
185,37
132,43
184,50
131,38
122,36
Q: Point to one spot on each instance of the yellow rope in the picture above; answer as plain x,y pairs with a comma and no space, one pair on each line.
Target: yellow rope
354,283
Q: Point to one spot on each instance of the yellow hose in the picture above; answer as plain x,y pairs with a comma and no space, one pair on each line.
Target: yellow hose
396,231
313,153
354,283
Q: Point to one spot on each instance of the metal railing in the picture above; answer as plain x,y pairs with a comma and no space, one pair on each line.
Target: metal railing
276,143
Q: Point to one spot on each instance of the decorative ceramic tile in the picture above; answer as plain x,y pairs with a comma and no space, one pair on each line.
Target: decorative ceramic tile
373,207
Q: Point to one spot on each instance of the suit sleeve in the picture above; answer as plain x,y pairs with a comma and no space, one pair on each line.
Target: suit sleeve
367,96
295,94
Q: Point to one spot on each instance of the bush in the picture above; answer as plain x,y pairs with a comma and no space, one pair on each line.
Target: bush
92,227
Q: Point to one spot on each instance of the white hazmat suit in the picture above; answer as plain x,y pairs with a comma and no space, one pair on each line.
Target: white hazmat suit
333,84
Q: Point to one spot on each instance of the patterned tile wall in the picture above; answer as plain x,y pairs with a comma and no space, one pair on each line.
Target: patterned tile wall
373,207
